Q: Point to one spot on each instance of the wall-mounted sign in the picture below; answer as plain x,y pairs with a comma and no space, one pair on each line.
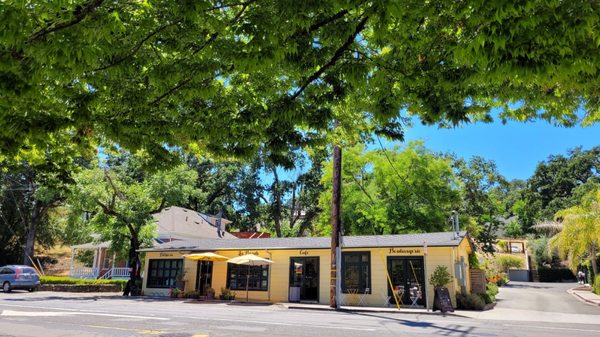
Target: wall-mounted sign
303,252
405,251
246,252
166,255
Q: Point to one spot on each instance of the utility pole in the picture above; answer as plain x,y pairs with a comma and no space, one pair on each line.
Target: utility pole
335,222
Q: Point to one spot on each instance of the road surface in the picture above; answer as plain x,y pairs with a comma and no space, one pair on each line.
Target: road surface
541,310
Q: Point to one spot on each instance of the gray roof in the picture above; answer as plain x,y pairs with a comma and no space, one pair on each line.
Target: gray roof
402,240
185,224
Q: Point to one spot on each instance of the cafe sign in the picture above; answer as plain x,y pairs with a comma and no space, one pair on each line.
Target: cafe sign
406,251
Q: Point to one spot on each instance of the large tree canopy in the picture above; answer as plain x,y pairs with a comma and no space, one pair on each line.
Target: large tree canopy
224,77
404,190
559,183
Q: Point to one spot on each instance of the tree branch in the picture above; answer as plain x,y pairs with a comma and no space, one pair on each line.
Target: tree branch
210,40
172,90
338,54
136,48
80,13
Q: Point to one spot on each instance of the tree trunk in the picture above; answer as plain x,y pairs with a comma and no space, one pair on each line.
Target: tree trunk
134,285
335,221
36,215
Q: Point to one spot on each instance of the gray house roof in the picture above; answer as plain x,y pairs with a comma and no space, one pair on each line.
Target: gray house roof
178,223
403,240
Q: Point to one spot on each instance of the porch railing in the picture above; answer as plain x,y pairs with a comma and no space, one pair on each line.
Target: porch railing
116,273
84,272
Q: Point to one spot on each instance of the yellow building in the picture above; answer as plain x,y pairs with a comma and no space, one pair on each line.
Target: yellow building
301,268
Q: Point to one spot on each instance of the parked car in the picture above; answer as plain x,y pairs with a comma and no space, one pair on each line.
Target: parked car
19,277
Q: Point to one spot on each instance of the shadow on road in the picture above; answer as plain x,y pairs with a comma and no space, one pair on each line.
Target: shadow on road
529,286
454,330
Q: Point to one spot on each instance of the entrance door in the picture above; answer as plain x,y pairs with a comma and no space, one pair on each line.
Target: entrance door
304,273
407,274
204,276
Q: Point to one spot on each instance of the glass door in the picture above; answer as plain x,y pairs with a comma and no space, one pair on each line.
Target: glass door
408,278
304,274
204,276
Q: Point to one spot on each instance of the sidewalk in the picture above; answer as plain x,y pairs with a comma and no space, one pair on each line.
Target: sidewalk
585,294
324,307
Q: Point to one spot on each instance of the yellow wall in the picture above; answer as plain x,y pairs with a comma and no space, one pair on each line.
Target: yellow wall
279,272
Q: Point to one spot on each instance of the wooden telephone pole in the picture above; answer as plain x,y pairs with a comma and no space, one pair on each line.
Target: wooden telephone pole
335,222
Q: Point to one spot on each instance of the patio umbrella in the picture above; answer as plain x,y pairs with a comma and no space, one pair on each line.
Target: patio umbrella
208,256
249,260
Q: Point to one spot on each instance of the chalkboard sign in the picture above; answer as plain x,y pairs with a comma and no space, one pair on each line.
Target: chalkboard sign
441,300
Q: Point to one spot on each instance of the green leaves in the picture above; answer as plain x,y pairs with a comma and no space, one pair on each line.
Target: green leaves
224,78
395,191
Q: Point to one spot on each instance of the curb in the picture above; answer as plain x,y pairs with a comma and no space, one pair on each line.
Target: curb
292,307
583,299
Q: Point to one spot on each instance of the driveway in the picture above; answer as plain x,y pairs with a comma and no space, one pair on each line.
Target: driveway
539,302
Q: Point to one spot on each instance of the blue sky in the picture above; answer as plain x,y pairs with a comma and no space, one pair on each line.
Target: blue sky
516,148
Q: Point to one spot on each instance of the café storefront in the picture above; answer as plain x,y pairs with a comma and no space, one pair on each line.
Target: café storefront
373,268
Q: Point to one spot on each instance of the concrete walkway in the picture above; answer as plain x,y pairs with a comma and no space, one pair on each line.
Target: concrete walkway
585,294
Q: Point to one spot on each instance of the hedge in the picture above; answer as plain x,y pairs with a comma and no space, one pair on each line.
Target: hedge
555,274
69,280
596,288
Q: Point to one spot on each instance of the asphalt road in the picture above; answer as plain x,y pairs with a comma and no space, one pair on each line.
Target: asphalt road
63,314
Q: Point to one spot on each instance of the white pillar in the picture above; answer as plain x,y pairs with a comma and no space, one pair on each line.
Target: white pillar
95,263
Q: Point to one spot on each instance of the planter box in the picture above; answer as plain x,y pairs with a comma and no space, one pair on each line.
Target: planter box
82,288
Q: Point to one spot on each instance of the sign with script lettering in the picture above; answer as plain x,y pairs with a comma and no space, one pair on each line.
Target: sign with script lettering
166,255
246,252
303,252
406,251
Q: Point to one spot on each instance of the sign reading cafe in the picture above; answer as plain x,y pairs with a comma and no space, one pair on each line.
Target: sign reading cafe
405,251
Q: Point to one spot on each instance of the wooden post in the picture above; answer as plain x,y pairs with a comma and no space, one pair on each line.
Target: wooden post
335,221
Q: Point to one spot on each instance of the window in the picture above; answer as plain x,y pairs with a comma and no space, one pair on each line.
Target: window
238,274
356,269
163,273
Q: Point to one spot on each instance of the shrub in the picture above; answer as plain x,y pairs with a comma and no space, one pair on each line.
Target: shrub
174,292
191,294
474,261
513,229
501,280
555,274
440,277
503,245
488,298
469,301
492,289
69,280
505,262
596,287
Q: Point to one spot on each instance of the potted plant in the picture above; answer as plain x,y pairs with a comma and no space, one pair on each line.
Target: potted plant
440,277
210,293
174,292
441,298
226,294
